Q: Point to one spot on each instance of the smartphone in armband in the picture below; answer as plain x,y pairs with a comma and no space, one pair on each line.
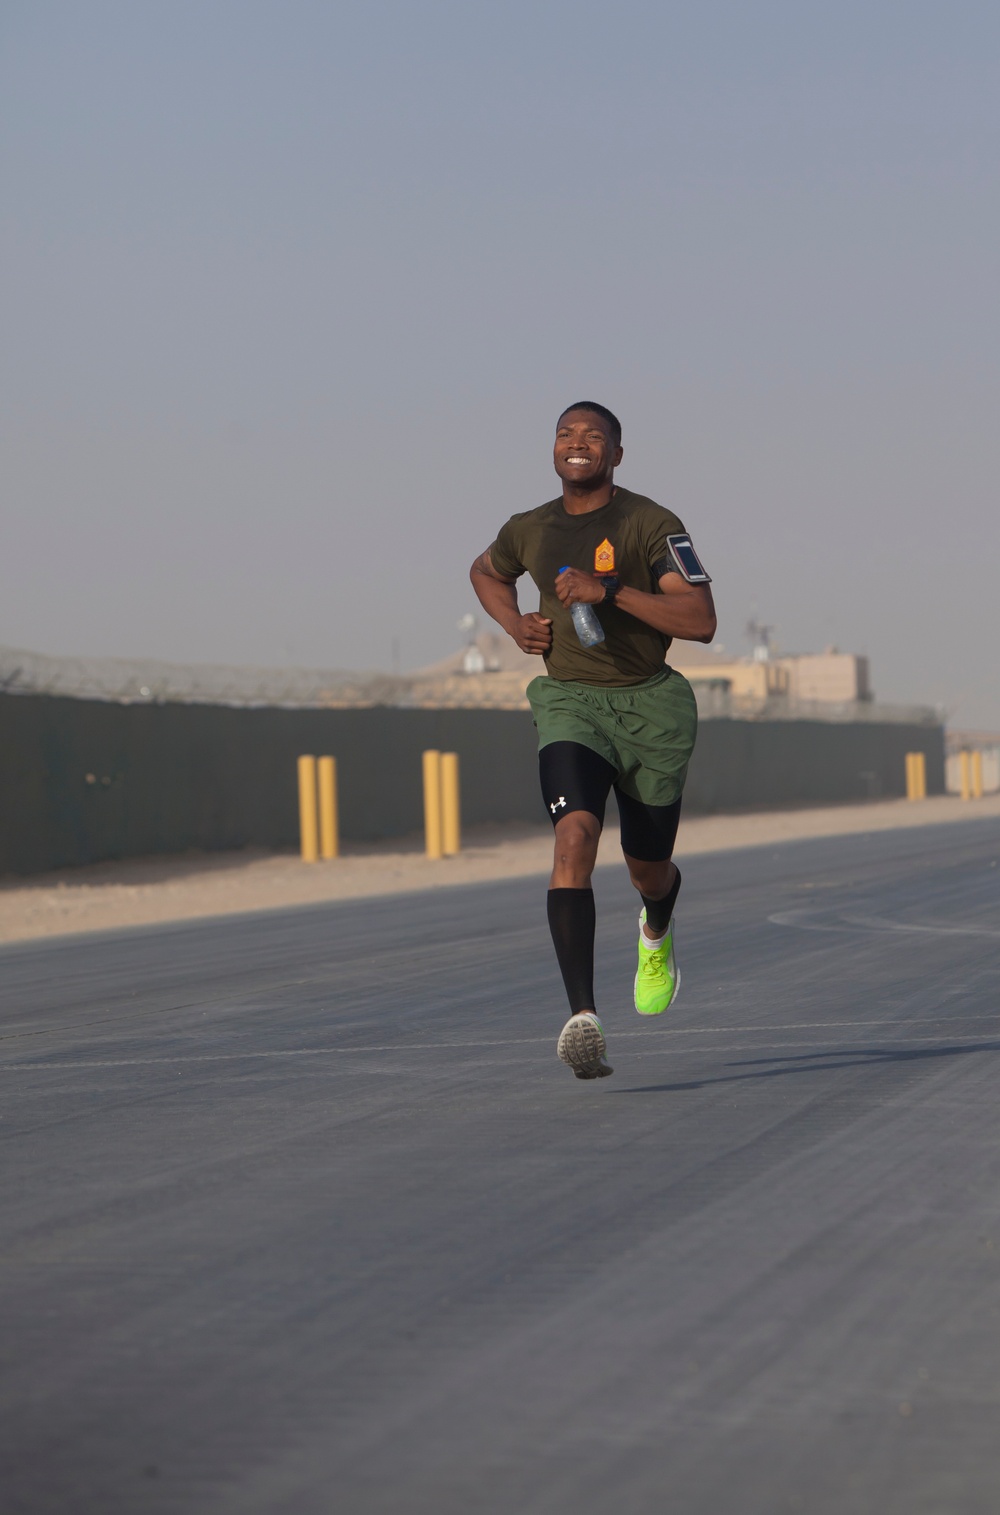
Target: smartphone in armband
686,560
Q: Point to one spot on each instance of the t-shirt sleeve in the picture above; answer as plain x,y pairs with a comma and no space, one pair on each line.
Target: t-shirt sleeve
505,553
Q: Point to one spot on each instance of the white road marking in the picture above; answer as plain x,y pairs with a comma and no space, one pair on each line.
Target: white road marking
887,1039
878,923
798,919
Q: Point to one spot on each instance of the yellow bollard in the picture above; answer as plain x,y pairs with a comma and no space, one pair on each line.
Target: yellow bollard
451,809
916,776
308,838
432,803
329,830
977,775
965,767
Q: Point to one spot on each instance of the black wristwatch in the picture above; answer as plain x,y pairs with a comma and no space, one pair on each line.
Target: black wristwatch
611,588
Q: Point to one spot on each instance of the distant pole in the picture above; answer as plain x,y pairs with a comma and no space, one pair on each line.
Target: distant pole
308,837
977,774
965,767
451,809
329,830
432,803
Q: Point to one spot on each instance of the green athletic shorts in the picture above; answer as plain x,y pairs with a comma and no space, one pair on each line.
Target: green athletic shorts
645,731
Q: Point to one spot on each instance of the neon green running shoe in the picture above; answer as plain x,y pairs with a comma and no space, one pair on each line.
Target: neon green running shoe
657,977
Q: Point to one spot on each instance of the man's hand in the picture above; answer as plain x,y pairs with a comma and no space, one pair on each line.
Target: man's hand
574,587
679,609
532,633
498,597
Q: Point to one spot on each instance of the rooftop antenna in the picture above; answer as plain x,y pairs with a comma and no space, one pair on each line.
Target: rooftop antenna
472,660
760,636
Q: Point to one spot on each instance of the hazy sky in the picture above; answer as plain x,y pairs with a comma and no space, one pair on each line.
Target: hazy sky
295,292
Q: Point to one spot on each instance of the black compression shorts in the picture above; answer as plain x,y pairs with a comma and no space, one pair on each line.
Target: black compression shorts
576,778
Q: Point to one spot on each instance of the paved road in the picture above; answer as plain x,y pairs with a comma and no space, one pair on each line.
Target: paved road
301,1214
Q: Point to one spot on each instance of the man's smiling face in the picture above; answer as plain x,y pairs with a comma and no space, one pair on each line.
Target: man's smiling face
584,454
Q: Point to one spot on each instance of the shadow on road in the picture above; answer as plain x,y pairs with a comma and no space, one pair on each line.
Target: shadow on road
816,1062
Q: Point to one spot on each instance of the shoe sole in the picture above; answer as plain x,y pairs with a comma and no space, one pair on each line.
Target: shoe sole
581,1046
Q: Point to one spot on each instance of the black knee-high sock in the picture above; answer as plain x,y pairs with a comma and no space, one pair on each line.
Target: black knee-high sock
572,920
658,912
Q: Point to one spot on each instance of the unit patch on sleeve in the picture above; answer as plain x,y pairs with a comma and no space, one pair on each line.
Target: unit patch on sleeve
604,558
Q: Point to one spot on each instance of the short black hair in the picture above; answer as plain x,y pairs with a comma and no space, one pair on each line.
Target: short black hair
601,410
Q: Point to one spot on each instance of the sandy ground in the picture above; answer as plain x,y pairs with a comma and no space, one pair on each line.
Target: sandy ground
148,891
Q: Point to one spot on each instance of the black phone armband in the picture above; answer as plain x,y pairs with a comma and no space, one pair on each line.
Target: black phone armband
683,560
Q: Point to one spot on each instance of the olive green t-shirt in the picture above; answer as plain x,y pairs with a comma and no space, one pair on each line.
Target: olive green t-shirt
626,536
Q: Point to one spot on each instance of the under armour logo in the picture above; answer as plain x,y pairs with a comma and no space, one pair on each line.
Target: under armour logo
560,801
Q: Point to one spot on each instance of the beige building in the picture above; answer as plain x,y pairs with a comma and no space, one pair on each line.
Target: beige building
825,677
491,671
831,675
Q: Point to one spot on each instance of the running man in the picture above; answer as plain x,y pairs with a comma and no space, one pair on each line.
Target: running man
609,716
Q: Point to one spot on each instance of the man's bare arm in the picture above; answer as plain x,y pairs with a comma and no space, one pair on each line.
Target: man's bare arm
680,609
498,597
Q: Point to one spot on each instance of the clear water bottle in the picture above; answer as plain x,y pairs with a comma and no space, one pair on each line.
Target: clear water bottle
589,630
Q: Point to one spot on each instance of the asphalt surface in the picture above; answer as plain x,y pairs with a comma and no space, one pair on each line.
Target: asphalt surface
300,1212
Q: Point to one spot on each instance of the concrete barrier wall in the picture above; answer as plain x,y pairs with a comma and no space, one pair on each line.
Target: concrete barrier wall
742,765
85,780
